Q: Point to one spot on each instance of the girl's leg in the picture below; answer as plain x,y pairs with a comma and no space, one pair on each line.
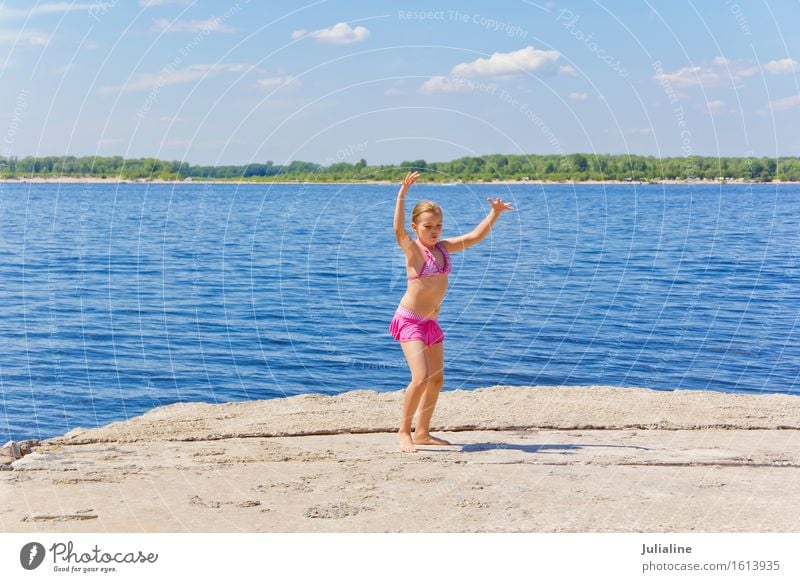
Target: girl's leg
414,352
434,356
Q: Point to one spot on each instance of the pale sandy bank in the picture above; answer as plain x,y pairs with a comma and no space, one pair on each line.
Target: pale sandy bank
533,459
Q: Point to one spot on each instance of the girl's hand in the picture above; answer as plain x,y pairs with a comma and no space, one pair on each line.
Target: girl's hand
410,178
499,206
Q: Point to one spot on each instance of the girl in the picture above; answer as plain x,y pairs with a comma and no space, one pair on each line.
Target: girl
414,324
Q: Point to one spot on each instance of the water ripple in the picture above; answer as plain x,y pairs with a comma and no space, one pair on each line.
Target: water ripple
120,299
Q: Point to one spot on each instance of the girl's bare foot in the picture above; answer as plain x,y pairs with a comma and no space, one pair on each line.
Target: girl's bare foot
428,439
406,444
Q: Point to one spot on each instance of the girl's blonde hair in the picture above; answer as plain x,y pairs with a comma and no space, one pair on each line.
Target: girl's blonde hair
424,206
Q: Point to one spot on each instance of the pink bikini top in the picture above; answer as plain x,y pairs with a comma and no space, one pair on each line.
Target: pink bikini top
431,267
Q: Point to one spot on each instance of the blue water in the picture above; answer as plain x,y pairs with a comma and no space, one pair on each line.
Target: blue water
117,299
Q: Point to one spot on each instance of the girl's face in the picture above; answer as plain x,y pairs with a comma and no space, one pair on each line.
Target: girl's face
429,227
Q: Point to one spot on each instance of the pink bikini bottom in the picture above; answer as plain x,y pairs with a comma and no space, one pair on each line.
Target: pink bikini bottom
408,326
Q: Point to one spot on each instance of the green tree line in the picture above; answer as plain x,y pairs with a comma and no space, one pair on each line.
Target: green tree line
577,167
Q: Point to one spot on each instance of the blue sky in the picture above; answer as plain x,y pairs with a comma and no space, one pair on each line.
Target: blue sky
216,82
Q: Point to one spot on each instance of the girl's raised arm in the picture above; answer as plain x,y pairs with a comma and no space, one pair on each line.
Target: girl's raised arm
403,238
459,243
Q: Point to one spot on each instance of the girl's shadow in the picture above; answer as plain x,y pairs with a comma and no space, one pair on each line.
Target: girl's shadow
565,449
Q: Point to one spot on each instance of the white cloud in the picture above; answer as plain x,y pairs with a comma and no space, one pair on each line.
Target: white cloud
150,81
567,70
274,82
736,70
741,72
341,33
397,88
7,13
782,66
785,103
715,105
499,65
29,37
577,96
689,76
721,72
442,84
213,24
528,59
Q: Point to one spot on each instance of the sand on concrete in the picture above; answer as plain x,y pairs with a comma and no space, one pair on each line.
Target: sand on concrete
524,459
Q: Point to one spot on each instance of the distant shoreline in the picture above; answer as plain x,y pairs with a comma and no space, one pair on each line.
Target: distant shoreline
67,180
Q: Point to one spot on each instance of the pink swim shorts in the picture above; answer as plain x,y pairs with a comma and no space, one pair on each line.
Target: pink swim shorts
408,326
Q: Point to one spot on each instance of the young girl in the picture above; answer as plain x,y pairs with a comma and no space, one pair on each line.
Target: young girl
414,324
